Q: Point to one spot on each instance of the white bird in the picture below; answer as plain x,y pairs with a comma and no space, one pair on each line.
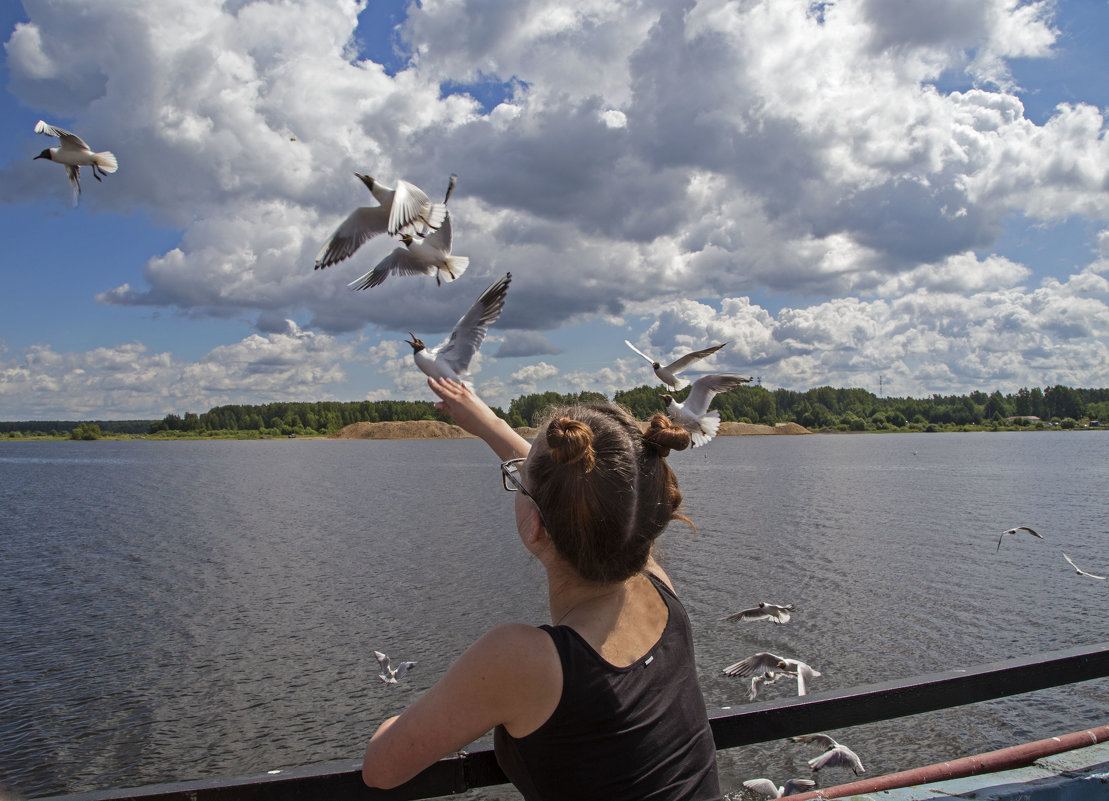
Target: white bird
1079,570
428,256
767,668
771,790
764,611
694,415
405,211
1014,531
451,359
802,672
834,756
75,154
669,374
388,674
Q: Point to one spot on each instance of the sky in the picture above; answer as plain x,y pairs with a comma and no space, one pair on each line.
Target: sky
908,196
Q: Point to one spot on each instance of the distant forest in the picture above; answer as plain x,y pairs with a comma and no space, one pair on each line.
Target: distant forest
822,408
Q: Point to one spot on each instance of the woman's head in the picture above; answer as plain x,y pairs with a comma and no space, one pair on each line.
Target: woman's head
604,487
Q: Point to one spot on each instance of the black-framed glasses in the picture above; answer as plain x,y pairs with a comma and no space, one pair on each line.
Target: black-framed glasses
510,480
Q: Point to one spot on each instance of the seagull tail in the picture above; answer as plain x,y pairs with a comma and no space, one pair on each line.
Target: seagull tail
106,161
456,265
710,424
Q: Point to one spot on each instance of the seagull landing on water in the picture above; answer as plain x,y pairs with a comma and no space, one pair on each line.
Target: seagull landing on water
75,154
669,374
834,756
451,359
694,415
1014,531
405,211
764,611
388,674
771,790
1079,570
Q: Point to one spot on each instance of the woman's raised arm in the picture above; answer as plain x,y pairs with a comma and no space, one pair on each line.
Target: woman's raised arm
472,414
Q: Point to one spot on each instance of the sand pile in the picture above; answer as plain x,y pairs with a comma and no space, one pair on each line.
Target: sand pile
750,429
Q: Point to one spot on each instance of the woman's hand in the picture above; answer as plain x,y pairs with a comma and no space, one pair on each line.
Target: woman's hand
473,415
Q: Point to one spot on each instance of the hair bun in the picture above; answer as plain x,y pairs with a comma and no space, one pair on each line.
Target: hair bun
662,437
571,441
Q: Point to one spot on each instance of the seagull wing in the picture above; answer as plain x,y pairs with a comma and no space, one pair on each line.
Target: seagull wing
469,332
838,757
1030,531
793,786
748,614
823,740
705,389
759,664
410,205
403,668
689,358
637,350
763,786
440,239
400,261
382,660
1080,571
69,140
364,223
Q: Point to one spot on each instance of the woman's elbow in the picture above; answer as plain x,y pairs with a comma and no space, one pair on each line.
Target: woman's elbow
379,777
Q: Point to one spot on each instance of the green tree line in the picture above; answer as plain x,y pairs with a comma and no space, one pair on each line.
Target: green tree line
818,408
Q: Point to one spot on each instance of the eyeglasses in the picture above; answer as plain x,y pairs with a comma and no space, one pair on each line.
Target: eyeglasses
510,480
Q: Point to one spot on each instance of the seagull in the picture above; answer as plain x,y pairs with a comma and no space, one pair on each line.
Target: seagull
1014,531
405,211
451,359
764,611
802,672
1079,570
390,675
694,415
669,374
835,755
771,790
767,668
428,256
75,154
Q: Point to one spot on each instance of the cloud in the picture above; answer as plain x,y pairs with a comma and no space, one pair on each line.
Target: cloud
526,343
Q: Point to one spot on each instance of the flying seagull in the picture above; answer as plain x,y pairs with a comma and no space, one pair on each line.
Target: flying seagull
764,611
428,256
669,374
75,154
451,359
405,211
388,674
694,415
834,756
767,668
771,790
1014,531
1080,571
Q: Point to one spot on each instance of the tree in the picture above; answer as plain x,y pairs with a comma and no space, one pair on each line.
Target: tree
85,431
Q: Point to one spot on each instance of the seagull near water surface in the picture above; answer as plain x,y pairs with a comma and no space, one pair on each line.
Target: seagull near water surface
771,790
1014,531
75,154
451,359
389,674
1079,570
834,756
669,374
767,668
764,611
693,415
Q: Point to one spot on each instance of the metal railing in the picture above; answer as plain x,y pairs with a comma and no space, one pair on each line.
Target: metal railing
755,723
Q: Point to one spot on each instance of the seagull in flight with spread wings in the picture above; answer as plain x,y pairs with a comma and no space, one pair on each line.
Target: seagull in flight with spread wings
764,611
834,756
771,790
388,674
406,212
428,256
694,415
451,359
75,154
1080,571
1014,531
669,374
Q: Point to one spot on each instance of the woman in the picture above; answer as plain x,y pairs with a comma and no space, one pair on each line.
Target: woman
605,702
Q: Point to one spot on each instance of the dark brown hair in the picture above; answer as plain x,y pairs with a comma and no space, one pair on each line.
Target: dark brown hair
604,486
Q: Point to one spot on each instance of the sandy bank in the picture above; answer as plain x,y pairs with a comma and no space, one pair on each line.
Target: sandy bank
436,429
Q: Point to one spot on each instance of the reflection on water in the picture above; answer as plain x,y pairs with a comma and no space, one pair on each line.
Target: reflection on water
195,609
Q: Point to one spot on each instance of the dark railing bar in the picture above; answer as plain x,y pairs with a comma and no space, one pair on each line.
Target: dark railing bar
754,723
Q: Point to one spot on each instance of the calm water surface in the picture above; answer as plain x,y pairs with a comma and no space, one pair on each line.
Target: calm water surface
181,610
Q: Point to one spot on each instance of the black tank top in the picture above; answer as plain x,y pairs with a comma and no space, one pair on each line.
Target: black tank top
637,732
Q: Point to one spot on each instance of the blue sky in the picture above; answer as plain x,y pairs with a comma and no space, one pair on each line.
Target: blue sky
913,191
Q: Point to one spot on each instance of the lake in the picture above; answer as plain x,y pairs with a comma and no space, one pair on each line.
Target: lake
183,610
